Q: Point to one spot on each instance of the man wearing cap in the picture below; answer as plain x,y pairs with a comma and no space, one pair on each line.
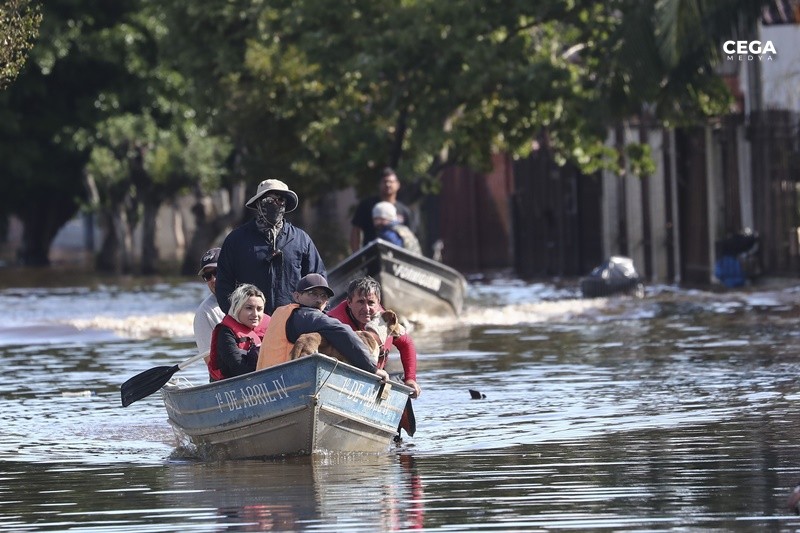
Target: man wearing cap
363,231
306,315
208,315
268,252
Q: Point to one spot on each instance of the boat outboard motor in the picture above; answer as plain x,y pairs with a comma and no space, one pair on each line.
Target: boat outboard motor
617,275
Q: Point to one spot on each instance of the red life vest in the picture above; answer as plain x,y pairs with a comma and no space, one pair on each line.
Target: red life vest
245,339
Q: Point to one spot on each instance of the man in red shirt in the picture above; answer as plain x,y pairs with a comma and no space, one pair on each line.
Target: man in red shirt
363,302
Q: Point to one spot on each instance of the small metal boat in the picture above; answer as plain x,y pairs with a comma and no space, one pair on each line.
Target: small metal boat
410,282
309,405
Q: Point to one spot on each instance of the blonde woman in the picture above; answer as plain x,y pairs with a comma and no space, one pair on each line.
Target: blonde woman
236,340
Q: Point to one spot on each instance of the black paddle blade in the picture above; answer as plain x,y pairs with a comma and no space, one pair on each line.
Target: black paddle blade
408,420
144,384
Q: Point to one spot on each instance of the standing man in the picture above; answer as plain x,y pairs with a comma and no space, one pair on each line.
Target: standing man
268,252
363,231
208,315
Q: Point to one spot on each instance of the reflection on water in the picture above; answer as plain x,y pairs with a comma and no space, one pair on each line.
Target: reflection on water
366,492
677,411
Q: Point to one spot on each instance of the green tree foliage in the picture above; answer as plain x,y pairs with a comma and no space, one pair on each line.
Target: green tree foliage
324,93
330,91
134,166
140,159
73,76
665,53
19,26
97,75
658,63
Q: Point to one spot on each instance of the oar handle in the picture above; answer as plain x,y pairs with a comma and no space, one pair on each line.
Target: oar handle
187,362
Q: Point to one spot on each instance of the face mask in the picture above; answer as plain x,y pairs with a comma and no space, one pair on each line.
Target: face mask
272,213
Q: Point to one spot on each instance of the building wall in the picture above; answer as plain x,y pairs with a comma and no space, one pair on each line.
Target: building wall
781,76
473,218
637,211
557,225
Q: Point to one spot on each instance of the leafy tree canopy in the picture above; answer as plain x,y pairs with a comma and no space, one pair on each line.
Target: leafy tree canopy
330,91
324,93
95,61
19,26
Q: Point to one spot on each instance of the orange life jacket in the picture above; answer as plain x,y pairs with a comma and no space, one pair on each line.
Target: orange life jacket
275,348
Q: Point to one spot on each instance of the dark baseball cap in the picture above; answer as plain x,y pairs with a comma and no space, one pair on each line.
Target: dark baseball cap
313,281
209,259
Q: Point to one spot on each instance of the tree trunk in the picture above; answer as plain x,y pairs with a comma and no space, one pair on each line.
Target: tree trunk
211,221
126,228
108,259
149,259
35,248
116,252
179,232
41,221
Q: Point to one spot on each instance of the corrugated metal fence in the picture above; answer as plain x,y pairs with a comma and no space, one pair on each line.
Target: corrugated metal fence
543,220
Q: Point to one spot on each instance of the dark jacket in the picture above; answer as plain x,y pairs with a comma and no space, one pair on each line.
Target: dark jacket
234,348
339,335
247,258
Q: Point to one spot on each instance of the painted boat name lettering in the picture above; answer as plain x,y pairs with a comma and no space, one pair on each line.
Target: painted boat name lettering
253,395
364,394
418,277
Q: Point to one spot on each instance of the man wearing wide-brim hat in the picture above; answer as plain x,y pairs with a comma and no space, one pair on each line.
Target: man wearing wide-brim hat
268,252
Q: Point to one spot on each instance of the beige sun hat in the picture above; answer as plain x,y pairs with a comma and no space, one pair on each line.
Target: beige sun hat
275,186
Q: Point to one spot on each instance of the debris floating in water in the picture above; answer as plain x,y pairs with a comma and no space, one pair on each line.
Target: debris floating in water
78,394
476,395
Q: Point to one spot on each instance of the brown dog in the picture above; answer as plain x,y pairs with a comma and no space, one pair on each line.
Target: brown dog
374,336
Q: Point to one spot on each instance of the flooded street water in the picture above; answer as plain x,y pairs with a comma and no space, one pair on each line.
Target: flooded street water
677,412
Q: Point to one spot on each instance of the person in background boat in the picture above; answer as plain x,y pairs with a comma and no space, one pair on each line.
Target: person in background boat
363,231
384,219
236,340
268,252
306,315
208,314
363,302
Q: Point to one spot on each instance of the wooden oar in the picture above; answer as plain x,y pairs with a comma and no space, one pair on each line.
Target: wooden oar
144,384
